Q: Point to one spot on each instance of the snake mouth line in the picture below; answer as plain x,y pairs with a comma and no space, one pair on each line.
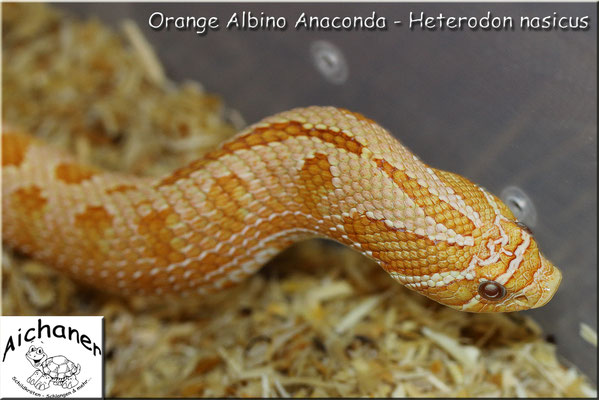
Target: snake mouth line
521,300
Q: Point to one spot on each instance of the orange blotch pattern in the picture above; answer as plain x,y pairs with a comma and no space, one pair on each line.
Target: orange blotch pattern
120,189
29,204
440,211
182,173
14,148
276,132
72,173
29,200
161,242
316,180
405,252
94,221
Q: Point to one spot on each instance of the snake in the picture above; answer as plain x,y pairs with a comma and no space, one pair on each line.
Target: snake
317,171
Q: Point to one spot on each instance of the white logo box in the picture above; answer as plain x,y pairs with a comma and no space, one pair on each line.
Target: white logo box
51,357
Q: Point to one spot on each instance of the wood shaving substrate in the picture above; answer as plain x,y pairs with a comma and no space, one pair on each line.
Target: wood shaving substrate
320,320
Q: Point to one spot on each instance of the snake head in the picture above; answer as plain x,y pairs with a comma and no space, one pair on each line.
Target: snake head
507,272
510,273
503,271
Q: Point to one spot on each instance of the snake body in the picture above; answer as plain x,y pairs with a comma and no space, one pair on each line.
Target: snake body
308,172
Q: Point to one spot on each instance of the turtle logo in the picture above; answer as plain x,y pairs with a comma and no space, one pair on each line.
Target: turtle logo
66,354
57,369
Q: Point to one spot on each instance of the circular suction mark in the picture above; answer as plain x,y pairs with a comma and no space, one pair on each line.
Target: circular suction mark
520,204
329,61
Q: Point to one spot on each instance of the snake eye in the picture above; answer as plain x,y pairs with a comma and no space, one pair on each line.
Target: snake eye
491,290
524,227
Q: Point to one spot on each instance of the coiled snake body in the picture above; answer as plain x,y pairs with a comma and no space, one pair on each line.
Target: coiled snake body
317,171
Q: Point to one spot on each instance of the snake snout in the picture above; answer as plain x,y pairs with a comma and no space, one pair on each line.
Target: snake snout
550,283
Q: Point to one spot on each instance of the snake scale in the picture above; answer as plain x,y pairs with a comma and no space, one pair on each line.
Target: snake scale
308,172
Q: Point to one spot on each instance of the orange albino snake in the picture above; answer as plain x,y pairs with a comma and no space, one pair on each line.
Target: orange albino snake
308,172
